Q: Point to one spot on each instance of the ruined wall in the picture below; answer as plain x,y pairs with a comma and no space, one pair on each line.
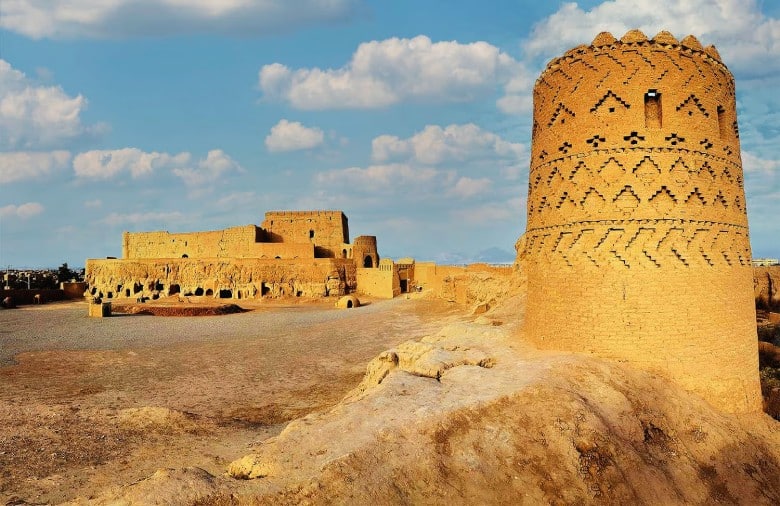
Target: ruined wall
328,230
382,282
225,278
637,246
766,287
462,284
234,242
364,251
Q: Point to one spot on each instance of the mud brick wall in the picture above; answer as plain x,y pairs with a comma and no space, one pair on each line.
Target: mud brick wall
234,278
234,242
328,230
637,244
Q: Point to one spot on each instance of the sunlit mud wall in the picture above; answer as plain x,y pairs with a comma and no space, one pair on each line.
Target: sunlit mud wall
637,246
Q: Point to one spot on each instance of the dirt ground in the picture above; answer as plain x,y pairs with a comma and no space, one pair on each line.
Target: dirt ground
91,404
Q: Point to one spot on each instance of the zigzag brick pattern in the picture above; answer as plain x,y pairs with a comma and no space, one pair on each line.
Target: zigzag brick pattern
637,244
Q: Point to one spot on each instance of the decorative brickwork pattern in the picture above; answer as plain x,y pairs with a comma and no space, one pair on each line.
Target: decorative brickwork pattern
637,243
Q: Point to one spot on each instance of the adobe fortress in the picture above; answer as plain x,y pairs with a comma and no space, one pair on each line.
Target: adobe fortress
637,246
292,253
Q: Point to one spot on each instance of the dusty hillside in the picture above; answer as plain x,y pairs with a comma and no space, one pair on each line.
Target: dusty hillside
473,415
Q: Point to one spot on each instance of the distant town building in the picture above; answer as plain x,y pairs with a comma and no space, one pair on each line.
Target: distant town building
765,262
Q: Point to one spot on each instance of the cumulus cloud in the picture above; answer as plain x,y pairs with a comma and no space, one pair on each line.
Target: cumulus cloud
161,219
382,73
22,211
748,40
105,164
436,145
293,136
36,116
123,18
23,165
467,187
216,164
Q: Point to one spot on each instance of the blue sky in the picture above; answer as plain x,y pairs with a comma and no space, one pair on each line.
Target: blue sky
413,117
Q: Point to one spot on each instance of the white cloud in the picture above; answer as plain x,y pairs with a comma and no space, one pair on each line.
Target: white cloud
122,18
38,117
382,73
436,145
93,204
748,40
293,136
216,164
379,177
753,164
22,211
467,187
105,164
161,218
22,165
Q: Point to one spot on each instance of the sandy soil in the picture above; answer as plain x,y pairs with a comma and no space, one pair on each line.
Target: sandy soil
91,404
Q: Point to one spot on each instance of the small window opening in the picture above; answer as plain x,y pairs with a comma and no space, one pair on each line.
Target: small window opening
653,116
722,125
198,291
311,234
185,255
209,293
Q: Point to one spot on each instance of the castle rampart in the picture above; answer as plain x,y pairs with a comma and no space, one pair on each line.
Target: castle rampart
637,245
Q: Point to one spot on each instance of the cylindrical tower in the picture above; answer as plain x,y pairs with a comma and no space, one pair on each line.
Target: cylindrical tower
364,251
637,245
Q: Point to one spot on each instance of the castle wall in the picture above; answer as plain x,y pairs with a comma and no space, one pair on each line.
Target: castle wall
637,245
234,242
328,230
230,278
382,282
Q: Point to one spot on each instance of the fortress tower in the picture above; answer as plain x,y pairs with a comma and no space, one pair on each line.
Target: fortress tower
637,245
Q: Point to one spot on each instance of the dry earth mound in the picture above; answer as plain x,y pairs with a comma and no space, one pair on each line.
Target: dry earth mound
472,415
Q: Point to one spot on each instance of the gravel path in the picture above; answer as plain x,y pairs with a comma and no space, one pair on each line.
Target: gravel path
67,326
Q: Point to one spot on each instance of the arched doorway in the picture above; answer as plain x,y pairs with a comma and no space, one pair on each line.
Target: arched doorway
368,262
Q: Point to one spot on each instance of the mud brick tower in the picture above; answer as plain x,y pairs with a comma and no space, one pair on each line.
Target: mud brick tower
637,245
